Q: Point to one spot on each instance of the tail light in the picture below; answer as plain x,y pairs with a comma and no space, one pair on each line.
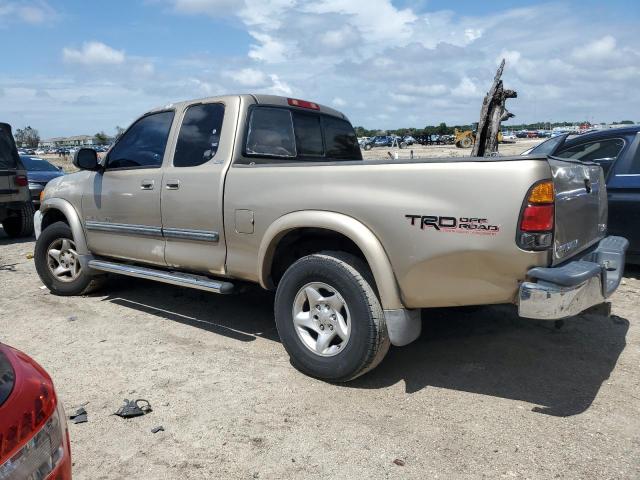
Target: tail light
34,442
21,181
536,223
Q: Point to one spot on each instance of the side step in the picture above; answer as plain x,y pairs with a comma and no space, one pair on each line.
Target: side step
198,282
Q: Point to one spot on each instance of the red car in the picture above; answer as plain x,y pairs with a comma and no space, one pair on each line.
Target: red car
34,440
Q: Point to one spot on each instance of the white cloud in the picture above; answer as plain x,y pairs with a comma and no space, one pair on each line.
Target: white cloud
268,49
466,89
249,77
29,12
602,48
339,102
94,53
472,34
279,87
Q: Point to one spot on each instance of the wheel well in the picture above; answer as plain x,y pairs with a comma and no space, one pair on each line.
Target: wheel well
52,216
301,242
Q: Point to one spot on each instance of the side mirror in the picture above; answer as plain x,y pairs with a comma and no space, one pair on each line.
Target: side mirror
86,159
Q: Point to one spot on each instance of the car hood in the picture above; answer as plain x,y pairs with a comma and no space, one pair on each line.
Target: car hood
43,176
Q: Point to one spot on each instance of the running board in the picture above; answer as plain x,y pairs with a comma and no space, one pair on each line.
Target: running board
198,282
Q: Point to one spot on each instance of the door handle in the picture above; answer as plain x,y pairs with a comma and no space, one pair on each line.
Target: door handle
173,184
147,184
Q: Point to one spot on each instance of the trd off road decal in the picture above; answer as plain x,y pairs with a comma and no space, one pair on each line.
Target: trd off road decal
467,225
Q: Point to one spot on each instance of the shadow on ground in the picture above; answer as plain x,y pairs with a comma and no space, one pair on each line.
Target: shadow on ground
492,351
242,317
485,350
6,240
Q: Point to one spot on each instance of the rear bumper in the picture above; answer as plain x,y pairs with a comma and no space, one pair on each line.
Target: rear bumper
567,290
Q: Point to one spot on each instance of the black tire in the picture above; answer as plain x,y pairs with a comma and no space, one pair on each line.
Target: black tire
367,146
84,281
22,224
368,342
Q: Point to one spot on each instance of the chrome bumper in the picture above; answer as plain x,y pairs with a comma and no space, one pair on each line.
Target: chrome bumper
567,290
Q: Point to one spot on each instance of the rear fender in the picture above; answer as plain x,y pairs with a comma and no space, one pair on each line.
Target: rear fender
361,235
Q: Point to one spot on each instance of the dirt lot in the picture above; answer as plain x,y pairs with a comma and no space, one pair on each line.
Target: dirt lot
482,394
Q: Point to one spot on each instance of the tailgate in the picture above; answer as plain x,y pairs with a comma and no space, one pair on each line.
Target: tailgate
8,165
581,206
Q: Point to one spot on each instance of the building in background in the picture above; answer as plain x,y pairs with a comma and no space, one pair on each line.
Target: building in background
76,141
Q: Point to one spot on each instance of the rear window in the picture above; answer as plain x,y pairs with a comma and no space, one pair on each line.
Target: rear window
342,142
8,151
284,134
308,134
271,133
37,164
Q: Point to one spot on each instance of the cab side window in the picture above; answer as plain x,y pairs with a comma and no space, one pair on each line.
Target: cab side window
199,135
143,144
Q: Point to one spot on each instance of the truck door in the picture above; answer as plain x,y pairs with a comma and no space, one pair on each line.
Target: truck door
193,187
121,206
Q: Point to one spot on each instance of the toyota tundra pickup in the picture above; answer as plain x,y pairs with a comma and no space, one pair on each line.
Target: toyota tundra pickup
214,193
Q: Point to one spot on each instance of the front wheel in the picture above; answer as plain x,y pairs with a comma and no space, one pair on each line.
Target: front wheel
329,318
58,264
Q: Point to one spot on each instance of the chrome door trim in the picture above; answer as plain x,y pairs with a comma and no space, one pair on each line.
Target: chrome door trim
108,227
186,234
145,230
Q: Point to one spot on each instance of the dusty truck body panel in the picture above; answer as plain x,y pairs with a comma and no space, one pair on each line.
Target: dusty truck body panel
270,190
432,268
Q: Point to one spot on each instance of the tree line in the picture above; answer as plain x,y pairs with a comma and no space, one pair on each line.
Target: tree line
444,129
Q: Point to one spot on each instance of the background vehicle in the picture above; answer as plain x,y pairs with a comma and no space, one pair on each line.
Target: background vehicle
16,209
34,441
616,151
467,138
39,173
272,190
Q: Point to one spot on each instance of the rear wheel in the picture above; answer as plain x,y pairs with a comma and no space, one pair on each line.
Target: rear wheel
329,318
58,264
20,225
367,146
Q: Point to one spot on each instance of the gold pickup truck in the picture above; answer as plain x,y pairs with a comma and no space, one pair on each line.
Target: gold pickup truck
211,193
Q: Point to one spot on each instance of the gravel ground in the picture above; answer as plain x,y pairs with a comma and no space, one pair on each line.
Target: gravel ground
482,394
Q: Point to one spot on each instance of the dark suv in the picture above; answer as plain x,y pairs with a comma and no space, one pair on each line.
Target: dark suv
16,208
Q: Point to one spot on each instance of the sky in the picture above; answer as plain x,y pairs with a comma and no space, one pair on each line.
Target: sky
78,67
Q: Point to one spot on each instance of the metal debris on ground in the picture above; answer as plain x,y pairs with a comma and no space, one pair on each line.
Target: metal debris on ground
157,429
131,408
80,416
399,462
